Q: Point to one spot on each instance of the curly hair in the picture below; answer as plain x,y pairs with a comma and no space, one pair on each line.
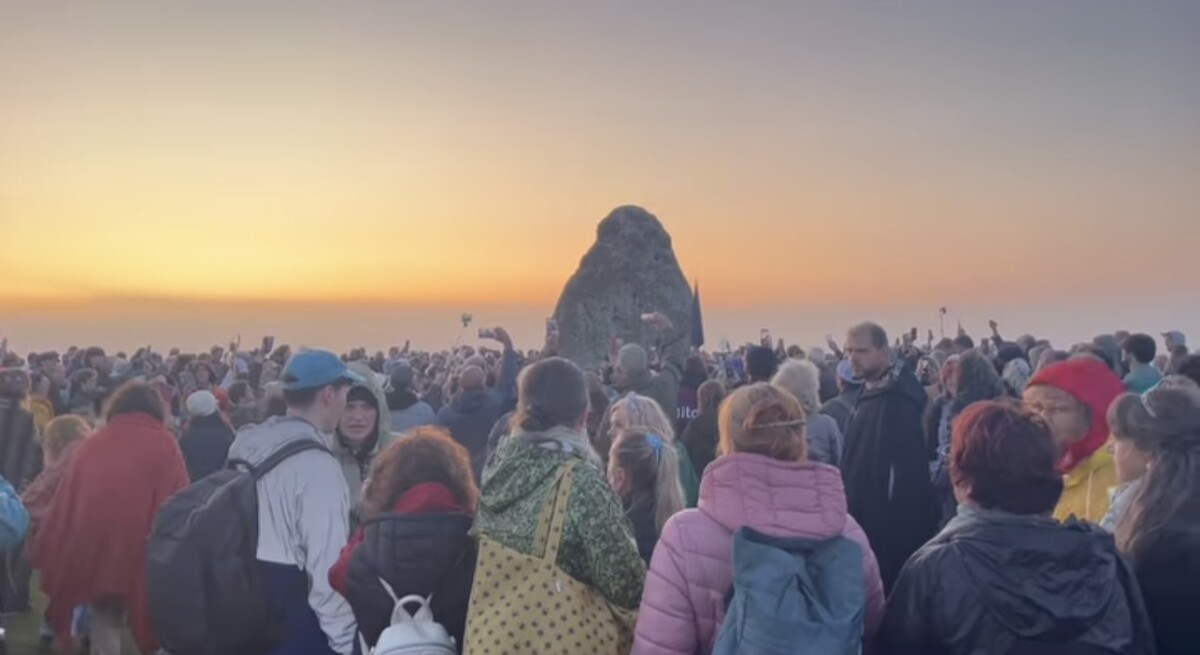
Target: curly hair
427,454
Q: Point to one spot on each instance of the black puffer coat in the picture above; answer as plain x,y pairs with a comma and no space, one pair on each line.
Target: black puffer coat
1001,584
419,554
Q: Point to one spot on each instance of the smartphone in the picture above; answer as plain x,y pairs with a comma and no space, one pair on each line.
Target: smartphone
268,344
487,333
764,336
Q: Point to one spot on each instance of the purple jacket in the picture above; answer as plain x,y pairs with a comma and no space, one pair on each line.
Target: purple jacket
691,571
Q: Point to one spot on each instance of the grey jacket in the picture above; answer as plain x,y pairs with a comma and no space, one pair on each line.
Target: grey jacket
824,439
303,515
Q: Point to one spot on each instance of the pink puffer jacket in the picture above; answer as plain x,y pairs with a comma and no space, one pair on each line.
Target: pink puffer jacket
692,569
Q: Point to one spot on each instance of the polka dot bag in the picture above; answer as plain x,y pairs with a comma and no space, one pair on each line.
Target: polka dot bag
526,605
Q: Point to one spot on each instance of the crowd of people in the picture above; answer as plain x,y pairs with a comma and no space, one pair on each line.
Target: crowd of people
947,497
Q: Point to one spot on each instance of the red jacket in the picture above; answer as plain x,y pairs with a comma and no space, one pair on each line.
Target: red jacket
419,499
92,544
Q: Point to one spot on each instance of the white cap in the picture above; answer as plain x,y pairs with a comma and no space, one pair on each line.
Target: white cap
202,403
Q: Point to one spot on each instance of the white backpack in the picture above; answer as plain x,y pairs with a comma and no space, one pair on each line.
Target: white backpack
411,634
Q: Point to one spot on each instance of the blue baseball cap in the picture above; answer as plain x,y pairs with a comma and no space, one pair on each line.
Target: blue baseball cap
310,369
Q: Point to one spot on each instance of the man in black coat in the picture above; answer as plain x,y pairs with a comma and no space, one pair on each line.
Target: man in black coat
885,467
471,414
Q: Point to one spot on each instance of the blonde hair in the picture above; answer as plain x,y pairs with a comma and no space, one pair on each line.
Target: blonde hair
652,466
640,412
802,379
764,420
62,432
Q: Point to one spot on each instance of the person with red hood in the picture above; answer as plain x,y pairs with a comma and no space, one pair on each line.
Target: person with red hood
417,510
91,546
1074,397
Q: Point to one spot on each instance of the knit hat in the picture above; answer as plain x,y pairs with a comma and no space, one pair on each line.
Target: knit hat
360,392
201,403
1095,385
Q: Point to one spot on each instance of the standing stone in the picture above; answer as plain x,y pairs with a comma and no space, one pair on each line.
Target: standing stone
630,270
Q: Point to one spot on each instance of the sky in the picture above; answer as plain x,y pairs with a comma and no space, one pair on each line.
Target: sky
202,167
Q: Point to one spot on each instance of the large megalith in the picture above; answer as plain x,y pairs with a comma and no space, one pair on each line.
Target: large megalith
631,270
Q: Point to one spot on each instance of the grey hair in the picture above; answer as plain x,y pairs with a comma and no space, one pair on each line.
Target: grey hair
632,358
802,379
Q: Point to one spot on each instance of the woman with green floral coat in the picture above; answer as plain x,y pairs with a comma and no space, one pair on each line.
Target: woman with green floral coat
598,548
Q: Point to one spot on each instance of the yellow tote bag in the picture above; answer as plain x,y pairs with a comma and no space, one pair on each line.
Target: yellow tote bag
521,604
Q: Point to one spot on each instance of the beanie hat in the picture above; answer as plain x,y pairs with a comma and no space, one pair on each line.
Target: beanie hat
201,403
360,393
1095,385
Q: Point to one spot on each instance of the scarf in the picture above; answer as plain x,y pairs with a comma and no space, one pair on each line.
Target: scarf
572,442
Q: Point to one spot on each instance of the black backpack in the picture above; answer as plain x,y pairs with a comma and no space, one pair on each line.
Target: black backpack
205,591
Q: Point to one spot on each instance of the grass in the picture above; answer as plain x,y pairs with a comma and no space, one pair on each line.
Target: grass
23,629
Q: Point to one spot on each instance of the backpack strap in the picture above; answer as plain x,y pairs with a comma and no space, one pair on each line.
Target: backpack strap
279,456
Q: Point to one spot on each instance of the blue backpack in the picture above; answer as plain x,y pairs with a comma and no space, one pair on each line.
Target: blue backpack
14,520
793,596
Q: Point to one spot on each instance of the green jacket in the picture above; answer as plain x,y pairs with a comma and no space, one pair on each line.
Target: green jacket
598,548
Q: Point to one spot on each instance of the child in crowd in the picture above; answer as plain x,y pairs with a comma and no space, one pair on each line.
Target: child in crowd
643,469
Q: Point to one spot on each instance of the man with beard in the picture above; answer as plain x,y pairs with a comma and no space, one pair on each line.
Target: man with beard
885,465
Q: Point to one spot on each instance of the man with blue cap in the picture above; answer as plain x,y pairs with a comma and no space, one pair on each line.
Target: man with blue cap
304,505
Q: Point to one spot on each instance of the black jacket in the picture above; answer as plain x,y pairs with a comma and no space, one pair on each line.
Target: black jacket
700,438
423,554
20,452
886,472
645,528
205,445
470,418
1168,572
994,583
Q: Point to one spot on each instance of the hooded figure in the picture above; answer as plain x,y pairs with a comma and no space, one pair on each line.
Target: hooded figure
1074,397
407,410
359,438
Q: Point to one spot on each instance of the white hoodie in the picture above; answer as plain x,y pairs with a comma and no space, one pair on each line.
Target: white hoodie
303,515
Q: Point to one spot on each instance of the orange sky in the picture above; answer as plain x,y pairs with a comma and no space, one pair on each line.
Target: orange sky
423,152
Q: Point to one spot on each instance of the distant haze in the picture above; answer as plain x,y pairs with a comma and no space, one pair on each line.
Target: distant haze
341,327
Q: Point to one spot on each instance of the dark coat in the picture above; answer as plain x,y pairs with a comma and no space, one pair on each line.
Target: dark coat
417,554
645,528
20,454
839,409
700,438
1168,571
1000,583
205,445
886,472
470,418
